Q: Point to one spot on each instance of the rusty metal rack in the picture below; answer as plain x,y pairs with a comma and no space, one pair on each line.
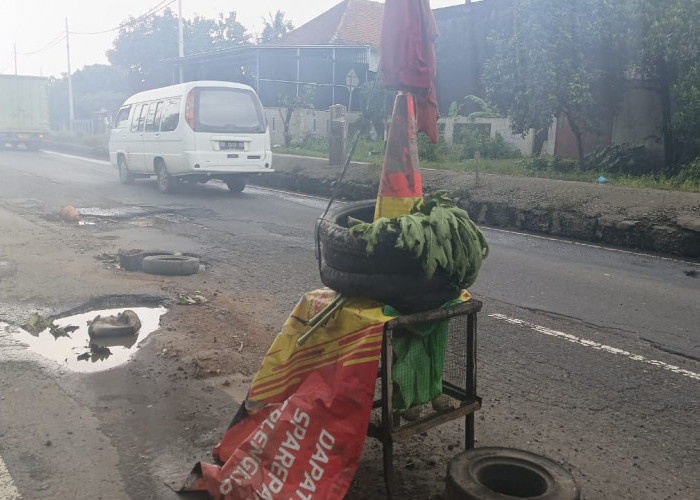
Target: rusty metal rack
459,382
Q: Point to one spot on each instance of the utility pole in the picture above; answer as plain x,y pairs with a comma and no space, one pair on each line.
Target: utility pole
180,39
15,59
70,82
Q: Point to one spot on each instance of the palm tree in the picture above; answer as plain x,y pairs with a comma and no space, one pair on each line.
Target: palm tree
276,27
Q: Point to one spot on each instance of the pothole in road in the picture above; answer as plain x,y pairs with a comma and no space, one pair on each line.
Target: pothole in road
70,344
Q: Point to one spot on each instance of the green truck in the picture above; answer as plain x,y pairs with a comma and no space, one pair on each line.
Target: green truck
24,110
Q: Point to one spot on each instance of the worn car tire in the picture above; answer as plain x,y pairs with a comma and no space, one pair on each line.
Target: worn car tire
125,176
163,178
345,252
406,292
125,323
132,260
170,265
493,473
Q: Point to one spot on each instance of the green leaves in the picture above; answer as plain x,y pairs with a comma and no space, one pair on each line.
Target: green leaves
437,233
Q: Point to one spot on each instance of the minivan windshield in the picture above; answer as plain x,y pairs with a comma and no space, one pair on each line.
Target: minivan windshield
228,110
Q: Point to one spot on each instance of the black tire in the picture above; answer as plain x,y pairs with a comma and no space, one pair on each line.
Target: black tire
492,473
406,292
164,179
236,183
125,176
170,265
132,260
344,252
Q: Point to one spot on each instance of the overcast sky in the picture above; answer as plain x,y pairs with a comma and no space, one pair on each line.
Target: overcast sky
37,27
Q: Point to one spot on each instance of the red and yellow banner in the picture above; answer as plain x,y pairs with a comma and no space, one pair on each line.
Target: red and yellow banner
308,410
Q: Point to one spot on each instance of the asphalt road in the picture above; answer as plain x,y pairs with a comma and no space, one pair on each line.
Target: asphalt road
587,355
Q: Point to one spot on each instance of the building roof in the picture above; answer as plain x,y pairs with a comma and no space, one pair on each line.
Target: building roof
351,22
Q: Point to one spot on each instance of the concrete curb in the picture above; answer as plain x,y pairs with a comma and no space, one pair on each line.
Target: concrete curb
666,222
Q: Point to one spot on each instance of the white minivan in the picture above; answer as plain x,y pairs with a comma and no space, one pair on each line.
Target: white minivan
193,131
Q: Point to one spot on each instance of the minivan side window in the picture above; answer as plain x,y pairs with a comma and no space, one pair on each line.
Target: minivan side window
142,117
122,120
151,116
171,115
135,118
159,115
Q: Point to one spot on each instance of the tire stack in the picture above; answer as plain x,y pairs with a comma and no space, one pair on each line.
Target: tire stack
389,275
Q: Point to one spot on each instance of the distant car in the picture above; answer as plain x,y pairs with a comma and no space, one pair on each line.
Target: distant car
193,131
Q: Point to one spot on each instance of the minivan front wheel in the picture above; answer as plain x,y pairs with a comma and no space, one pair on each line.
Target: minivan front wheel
125,176
164,179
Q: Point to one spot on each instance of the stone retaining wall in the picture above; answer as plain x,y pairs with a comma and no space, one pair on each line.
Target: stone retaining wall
667,222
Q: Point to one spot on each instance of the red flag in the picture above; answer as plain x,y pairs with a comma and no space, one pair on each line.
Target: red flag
408,59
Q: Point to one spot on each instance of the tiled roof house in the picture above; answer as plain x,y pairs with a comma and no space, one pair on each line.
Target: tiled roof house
351,22
321,52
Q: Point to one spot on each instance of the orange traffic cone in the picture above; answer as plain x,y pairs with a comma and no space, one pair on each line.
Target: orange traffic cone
400,185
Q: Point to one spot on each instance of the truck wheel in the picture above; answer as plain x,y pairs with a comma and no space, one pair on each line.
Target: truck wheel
165,180
236,183
125,176
491,473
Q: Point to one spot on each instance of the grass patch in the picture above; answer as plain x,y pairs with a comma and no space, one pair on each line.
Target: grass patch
449,157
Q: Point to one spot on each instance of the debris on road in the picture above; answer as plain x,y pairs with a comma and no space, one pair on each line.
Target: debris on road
125,323
69,214
170,265
190,300
37,323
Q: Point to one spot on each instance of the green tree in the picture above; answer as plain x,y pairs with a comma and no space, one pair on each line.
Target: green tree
144,43
290,103
561,59
375,106
669,51
96,88
275,27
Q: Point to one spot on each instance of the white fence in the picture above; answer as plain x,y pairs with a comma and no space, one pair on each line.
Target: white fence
315,123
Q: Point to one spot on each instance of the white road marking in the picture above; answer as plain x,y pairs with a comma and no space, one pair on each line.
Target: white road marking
74,157
7,486
592,245
595,345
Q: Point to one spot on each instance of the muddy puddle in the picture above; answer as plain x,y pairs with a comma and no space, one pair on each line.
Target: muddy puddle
70,345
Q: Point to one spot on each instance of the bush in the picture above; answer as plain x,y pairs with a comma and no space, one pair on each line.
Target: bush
620,159
690,173
477,138
543,164
427,150
563,164
313,143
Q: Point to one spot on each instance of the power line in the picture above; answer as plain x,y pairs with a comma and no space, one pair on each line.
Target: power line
62,35
55,41
160,6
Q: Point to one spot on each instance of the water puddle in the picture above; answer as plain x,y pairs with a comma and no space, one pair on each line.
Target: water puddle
70,345
156,221
115,213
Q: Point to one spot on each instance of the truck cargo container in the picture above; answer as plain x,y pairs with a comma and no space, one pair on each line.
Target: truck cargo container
24,110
